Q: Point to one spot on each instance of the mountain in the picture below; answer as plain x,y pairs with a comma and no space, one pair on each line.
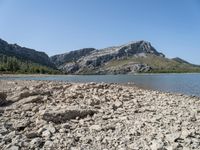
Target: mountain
180,60
133,57
139,56
14,58
24,53
70,56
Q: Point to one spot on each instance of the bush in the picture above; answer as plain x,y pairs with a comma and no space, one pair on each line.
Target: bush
14,65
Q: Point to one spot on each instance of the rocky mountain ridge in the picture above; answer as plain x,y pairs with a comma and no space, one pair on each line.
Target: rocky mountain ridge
26,54
133,57
70,56
137,56
94,59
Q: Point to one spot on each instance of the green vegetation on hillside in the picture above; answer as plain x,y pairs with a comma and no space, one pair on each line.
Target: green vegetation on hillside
157,63
14,65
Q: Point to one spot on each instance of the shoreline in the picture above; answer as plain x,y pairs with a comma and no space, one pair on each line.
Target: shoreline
13,75
131,84
62,115
28,77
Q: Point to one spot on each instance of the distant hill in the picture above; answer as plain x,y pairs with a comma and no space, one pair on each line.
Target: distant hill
139,56
180,60
24,53
70,56
14,58
134,57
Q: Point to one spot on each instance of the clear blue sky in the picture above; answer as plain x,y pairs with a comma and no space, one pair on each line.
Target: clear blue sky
57,26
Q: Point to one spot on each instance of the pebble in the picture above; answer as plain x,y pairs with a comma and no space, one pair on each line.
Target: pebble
57,115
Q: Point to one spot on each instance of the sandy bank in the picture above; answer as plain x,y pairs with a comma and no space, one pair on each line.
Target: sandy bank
56,115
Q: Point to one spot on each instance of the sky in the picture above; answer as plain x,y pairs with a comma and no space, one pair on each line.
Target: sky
59,26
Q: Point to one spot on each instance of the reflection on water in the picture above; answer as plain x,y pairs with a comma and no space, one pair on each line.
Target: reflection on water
179,83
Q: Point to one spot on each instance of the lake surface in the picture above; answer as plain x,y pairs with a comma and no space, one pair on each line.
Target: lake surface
178,83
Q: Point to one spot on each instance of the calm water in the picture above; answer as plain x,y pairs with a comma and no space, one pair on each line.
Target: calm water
178,83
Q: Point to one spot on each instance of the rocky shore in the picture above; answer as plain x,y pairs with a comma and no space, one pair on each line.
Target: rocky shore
81,116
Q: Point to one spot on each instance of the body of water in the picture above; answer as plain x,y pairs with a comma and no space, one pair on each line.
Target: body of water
178,83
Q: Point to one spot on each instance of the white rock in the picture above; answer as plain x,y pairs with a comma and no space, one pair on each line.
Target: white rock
35,143
157,144
172,137
117,104
48,144
51,128
46,134
14,147
31,99
185,133
95,127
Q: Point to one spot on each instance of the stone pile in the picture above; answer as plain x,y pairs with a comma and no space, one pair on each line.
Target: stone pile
56,115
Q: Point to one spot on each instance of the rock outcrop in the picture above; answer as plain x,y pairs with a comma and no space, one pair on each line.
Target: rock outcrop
70,56
92,60
58,115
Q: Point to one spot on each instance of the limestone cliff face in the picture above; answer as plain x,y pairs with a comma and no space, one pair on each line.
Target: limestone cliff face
70,56
24,53
87,61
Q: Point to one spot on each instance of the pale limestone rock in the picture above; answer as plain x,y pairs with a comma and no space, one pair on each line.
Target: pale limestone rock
14,147
117,104
46,134
95,127
157,145
140,119
35,143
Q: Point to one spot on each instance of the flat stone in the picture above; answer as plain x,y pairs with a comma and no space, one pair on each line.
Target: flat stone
21,125
62,115
51,128
66,125
95,127
48,144
22,95
156,145
172,137
31,99
185,133
3,130
14,147
94,101
117,104
46,134
32,135
35,143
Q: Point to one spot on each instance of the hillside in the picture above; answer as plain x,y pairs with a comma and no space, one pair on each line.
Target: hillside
17,59
24,53
134,57
139,56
